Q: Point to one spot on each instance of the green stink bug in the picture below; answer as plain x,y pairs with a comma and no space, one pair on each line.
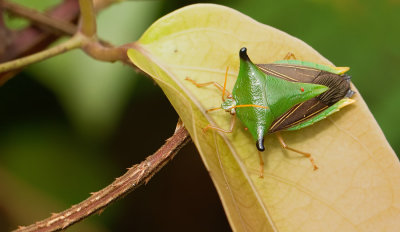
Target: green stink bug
285,95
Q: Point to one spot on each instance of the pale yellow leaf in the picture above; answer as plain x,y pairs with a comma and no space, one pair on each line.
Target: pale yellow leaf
357,186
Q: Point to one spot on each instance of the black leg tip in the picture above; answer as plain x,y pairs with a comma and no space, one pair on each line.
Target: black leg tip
260,144
346,77
350,93
243,54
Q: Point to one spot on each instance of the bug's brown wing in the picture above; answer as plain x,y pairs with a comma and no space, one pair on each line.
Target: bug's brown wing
339,87
295,73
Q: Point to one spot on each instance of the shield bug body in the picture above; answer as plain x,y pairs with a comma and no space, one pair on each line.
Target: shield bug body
285,95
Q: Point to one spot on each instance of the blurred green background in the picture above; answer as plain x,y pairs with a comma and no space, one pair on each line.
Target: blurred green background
70,125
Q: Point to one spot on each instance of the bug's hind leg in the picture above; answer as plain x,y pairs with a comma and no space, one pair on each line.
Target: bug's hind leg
199,85
220,87
308,155
290,56
261,165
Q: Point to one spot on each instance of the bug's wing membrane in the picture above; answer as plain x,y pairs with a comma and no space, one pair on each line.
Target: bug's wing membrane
339,87
298,114
294,73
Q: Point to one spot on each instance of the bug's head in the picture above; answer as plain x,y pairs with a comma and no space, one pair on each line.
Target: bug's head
228,105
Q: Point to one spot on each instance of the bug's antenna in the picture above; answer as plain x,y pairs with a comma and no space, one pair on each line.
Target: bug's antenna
226,77
250,105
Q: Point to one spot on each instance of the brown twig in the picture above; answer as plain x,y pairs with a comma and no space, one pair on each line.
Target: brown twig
33,39
133,178
94,47
136,175
74,42
40,19
88,18
104,51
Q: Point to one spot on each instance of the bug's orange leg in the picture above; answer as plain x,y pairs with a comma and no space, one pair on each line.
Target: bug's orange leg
308,155
199,85
251,105
220,129
261,165
290,56
220,87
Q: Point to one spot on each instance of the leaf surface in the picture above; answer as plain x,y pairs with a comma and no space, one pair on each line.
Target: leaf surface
356,187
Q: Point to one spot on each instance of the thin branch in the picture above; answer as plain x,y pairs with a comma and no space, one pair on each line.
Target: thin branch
137,174
74,42
94,47
33,39
133,178
88,18
40,19
107,52
99,50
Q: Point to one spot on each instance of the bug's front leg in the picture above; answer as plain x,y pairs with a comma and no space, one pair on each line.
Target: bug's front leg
199,85
308,155
220,87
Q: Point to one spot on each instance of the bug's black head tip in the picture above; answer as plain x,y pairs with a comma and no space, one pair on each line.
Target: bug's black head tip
243,54
260,144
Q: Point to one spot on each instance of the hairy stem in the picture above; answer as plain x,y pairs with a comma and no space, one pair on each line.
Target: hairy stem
134,177
72,43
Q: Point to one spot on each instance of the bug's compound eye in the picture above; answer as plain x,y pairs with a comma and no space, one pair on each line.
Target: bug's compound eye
230,96
232,111
302,89
346,77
